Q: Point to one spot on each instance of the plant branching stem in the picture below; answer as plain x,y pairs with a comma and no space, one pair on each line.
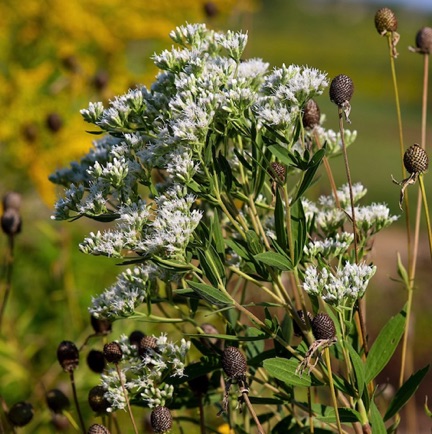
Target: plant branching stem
8,285
75,396
127,399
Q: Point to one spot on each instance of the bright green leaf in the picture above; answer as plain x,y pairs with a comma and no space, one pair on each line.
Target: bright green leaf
275,260
285,370
210,293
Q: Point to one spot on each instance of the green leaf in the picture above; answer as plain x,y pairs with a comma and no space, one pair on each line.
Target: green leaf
254,242
376,420
257,337
285,370
216,230
384,346
403,273
210,293
279,216
327,414
298,229
405,392
359,368
281,154
275,260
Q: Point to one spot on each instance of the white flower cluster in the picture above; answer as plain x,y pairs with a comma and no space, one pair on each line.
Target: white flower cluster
330,247
340,287
144,376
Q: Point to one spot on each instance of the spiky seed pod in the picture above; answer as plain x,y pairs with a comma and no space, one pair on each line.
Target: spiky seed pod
234,363
20,414
101,326
68,356
11,223
424,40
12,200
57,401
385,21
54,122
96,361
323,327
297,330
415,159
113,352
98,429
146,344
97,401
311,114
278,171
161,419
135,337
341,90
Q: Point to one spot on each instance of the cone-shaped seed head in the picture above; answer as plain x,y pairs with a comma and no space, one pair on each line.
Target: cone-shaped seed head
234,363
20,414
341,90
385,21
135,337
11,222
56,400
323,327
297,330
311,114
424,40
101,326
98,429
12,200
68,356
161,419
113,352
146,344
96,361
415,159
278,171
97,401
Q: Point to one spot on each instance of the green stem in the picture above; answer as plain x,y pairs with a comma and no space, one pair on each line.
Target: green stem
426,209
332,389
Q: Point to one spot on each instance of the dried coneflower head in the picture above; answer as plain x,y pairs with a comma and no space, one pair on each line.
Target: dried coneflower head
415,159
311,114
20,414
234,363
385,21
11,223
98,429
278,172
57,401
146,344
135,337
113,352
68,356
97,401
424,40
323,327
96,361
101,326
341,92
161,419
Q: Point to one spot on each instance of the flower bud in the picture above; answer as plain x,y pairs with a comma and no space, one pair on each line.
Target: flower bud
20,414
385,21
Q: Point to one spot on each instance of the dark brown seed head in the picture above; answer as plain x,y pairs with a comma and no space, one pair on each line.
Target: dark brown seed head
234,363
341,90
135,337
97,401
98,429
11,223
57,401
311,114
12,200
96,361
30,132
161,419
424,40
68,356
297,330
415,159
54,122
100,80
210,9
278,171
20,414
113,352
323,327
101,326
146,344
385,21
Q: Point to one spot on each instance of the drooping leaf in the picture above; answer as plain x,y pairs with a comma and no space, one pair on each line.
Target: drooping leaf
359,368
298,230
209,293
281,154
384,346
275,260
254,243
280,226
327,414
376,420
216,231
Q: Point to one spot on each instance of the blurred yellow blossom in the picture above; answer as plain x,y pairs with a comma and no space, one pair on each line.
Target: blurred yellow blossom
56,56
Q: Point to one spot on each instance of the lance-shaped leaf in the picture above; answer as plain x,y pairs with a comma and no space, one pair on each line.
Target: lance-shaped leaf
209,293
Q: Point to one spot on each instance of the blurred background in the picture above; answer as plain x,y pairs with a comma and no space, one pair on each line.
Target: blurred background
57,56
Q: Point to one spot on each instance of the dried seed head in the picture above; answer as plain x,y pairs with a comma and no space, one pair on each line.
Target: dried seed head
20,414
113,352
161,419
68,356
57,401
97,401
12,200
341,90
96,361
135,337
311,114
210,9
146,344
234,363
54,122
297,330
98,429
424,40
100,80
415,159
385,21
11,223
323,327
278,171
101,326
